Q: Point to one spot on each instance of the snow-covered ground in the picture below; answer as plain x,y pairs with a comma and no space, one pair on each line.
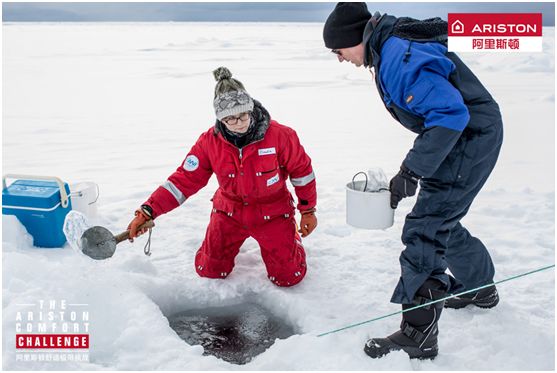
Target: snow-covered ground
121,104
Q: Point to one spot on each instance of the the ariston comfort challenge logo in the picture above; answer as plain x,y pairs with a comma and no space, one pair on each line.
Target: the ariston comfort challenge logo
52,330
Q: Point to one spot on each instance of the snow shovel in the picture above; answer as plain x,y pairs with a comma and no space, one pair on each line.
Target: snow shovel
99,243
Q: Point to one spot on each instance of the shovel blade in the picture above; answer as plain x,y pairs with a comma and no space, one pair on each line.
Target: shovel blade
98,243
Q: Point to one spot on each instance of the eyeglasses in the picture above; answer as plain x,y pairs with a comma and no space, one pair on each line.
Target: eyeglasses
337,52
231,121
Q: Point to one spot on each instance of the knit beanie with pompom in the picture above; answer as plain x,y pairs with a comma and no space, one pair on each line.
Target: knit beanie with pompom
231,97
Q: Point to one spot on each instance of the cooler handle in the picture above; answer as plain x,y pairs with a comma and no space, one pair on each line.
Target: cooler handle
63,193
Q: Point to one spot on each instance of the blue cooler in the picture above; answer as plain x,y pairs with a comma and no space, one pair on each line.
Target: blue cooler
41,204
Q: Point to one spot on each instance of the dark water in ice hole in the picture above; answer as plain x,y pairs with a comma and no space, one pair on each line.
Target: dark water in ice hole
234,333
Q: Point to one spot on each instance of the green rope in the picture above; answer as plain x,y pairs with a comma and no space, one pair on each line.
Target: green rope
435,301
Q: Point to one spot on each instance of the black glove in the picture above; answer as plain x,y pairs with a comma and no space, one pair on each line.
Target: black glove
403,185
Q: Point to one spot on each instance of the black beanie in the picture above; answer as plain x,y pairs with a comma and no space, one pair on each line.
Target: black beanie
345,26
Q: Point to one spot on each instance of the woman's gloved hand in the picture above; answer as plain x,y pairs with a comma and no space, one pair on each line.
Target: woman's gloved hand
141,217
308,222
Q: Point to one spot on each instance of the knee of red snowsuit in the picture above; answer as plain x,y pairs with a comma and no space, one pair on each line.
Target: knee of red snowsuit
229,226
285,277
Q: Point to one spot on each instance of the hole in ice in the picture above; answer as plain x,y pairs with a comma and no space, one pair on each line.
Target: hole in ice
233,333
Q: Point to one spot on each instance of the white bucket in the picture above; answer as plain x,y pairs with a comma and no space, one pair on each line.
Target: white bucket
369,209
84,196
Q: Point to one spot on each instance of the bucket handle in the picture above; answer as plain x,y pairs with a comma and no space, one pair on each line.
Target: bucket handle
63,193
354,185
98,194
80,194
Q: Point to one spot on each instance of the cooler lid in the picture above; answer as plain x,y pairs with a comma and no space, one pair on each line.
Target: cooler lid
32,193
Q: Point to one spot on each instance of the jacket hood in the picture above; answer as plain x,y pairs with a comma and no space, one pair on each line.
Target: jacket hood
380,28
377,31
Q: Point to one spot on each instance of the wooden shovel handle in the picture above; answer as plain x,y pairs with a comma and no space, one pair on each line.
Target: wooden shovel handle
125,235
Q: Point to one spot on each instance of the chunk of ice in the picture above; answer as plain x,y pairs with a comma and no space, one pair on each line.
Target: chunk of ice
74,225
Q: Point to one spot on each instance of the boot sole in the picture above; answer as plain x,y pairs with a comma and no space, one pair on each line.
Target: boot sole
461,303
413,352
425,354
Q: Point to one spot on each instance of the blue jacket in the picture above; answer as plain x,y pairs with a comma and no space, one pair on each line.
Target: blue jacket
429,91
421,85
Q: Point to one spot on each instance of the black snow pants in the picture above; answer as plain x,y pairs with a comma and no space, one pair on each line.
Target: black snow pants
433,235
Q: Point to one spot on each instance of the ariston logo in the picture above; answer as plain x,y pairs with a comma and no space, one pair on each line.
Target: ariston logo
504,28
457,27
495,24
495,32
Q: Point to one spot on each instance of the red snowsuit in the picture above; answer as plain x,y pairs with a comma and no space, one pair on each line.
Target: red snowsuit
252,200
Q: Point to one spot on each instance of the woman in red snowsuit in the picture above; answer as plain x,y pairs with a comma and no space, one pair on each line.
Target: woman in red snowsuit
252,156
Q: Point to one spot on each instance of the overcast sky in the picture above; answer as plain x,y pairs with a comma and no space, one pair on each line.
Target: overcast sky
244,12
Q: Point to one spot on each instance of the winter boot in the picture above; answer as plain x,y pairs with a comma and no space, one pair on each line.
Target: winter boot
418,331
484,298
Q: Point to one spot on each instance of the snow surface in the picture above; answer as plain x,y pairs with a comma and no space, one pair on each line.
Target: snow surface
121,104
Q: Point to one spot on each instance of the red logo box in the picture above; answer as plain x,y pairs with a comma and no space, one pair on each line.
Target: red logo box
58,341
495,24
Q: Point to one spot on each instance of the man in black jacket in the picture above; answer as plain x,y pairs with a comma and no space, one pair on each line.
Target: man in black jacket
431,92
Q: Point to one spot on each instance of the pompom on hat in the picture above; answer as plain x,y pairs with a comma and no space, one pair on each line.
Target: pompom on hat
231,97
